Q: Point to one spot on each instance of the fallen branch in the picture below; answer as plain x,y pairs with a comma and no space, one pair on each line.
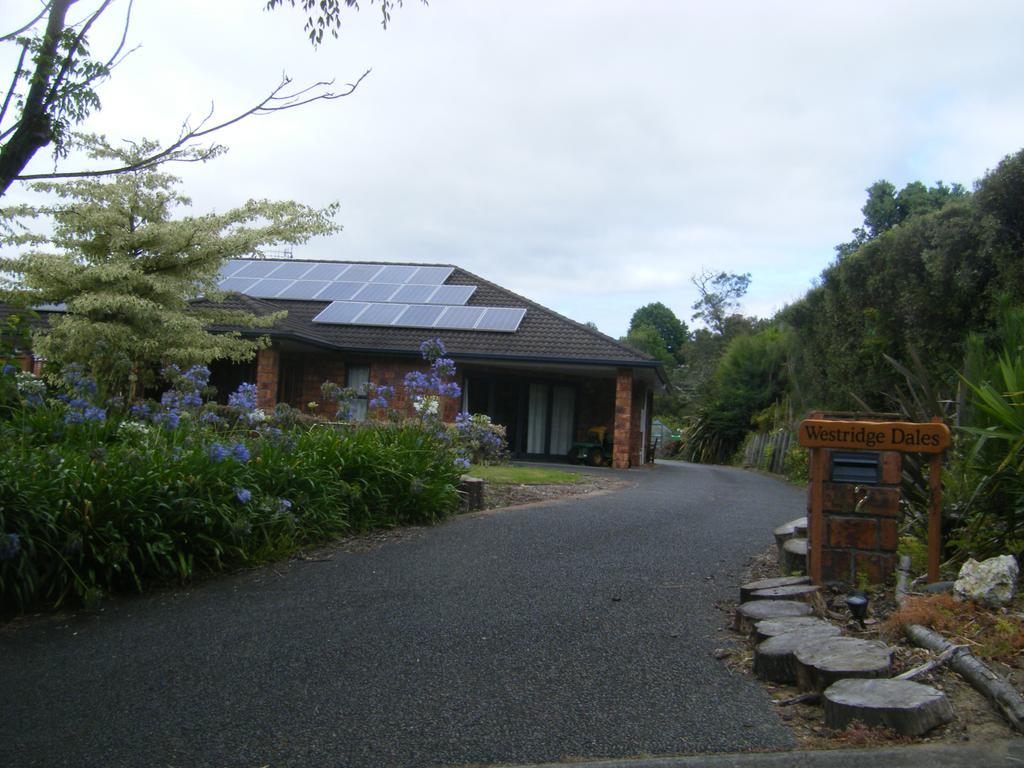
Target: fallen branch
1003,696
928,666
803,698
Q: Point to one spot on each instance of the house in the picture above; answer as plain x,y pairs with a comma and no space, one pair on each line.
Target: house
546,378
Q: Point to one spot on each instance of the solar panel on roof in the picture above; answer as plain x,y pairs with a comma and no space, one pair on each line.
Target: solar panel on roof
237,284
268,287
452,294
324,271
414,294
460,318
430,275
376,292
381,314
339,291
257,269
361,273
501,319
394,274
293,269
341,312
231,267
303,289
419,316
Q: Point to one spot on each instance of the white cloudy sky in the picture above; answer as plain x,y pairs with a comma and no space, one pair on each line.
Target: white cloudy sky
589,154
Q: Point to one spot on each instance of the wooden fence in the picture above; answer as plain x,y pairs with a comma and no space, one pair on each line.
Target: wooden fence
767,450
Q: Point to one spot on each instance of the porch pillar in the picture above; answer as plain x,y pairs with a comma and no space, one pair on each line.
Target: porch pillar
268,369
622,437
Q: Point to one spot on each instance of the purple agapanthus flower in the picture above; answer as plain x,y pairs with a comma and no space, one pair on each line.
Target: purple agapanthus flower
244,495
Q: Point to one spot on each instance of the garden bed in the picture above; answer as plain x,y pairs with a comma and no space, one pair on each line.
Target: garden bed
975,719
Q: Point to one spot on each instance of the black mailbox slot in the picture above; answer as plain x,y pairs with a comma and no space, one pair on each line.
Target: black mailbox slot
864,467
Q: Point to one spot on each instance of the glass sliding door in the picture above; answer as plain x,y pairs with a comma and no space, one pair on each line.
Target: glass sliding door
537,419
563,411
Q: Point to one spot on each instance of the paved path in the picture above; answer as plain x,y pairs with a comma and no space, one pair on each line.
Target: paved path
580,629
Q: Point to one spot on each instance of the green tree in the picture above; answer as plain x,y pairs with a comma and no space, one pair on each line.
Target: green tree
670,329
646,338
885,208
129,272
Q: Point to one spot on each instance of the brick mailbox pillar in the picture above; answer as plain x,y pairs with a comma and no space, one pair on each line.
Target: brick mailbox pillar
853,500
859,524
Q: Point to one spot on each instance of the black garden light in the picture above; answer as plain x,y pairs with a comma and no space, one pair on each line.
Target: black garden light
857,602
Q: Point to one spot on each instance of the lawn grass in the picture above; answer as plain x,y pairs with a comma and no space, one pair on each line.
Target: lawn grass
507,474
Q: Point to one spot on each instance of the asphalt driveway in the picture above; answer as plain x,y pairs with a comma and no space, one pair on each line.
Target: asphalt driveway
578,629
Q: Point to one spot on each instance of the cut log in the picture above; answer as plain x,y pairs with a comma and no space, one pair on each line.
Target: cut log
800,528
818,665
785,532
773,659
780,626
794,557
908,708
1003,696
781,581
805,592
748,614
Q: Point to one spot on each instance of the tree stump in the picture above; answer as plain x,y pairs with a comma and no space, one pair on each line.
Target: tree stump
805,592
906,707
471,489
785,532
800,529
781,581
773,627
773,659
818,665
748,614
794,557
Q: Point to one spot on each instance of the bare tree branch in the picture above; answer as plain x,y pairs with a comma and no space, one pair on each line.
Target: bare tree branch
12,35
176,152
14,85
73,50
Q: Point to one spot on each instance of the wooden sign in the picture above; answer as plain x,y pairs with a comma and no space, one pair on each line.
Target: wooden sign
905,436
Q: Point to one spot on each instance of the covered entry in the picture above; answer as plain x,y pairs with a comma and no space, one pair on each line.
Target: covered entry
539,416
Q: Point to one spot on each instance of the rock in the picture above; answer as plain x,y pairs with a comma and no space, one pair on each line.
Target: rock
773,659
819,665
748,614
992,582
782,581
779,626
906,707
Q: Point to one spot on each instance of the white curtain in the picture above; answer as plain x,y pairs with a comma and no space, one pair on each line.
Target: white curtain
537,418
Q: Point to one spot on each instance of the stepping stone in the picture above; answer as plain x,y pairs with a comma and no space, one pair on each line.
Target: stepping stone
794,557
787,531
904,706
773,659
818,665
775,627
805,592
748,614
781,581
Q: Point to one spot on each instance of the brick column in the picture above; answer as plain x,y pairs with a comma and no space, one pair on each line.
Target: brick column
860,526
622,437
268,368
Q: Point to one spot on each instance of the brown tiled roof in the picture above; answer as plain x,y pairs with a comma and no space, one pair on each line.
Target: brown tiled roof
543,335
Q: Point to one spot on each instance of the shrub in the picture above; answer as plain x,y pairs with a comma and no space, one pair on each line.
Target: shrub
96,498
480,440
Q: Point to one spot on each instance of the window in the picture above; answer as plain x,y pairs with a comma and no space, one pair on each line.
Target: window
358,379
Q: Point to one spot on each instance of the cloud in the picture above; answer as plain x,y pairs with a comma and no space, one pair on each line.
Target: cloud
590,154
